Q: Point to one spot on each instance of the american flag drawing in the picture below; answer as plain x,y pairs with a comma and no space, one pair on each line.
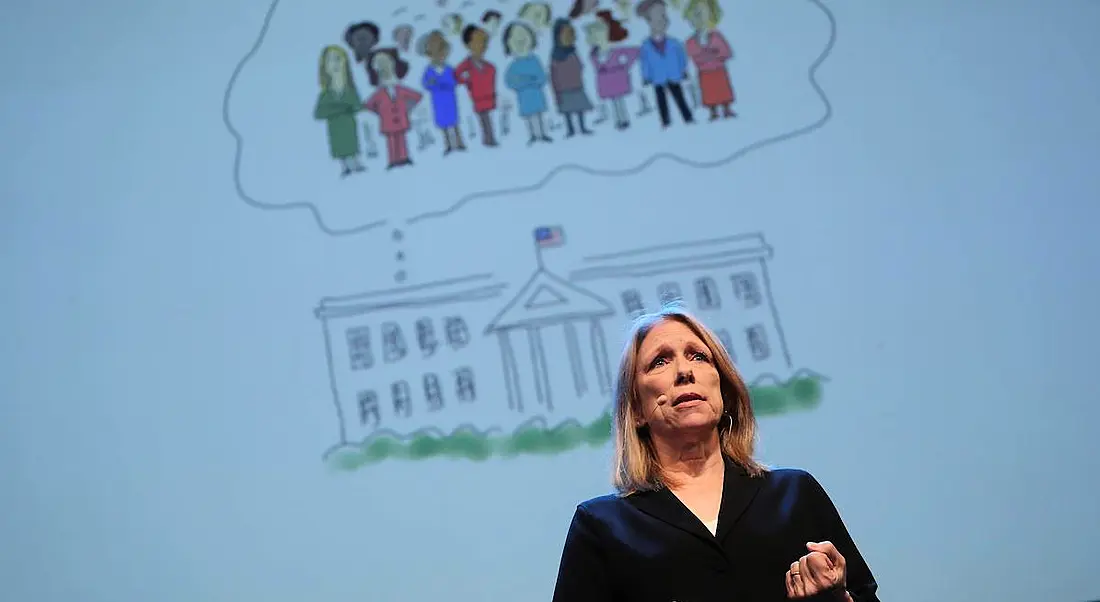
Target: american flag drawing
549,236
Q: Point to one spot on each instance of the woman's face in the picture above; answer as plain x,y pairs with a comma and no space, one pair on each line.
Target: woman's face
383,64
478,42
598,34
334,65
519,40
438,48
567,36
700,16
677,385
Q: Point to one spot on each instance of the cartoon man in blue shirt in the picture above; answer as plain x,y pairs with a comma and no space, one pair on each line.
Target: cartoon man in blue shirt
663,60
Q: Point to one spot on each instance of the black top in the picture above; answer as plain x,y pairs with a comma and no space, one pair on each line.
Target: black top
649,547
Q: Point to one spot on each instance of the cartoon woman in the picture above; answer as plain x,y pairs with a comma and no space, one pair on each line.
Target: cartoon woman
567,77
480,78
337,105
613,62
439,81
709,51
392,102
527,77
536,14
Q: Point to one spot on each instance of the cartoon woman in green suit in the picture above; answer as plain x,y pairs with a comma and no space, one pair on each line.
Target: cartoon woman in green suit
337,105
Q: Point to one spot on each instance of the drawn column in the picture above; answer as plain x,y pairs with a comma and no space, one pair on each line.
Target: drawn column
511,372
575,362
538,363
599,351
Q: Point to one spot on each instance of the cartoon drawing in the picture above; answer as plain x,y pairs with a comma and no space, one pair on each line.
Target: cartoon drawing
491,21
536,14
664,61
337,104
479,77
439,81
392,102
526,77
710,51
613,62
279,139
402,36
362,37
583,7
567,78
452,23
449,393
624,7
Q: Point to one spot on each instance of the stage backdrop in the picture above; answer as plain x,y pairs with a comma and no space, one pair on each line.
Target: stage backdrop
322,301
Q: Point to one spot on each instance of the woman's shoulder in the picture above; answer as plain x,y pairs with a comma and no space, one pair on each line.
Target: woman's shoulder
792,478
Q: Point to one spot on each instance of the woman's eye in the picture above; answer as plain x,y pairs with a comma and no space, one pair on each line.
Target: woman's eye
701,357
657,362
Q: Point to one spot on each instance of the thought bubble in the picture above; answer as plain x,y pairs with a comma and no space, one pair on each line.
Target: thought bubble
287,157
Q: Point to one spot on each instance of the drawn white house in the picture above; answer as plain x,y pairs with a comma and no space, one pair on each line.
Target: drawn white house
444,355
724,281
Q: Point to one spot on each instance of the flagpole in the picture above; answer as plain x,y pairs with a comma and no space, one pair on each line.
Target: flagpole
538,252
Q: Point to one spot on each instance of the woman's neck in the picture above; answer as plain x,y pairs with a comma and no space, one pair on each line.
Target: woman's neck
690,461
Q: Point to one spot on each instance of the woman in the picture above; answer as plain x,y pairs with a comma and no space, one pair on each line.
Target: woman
613,62
527,78
392,102
567,78
697,518
710,51
337,105
440,82
480,78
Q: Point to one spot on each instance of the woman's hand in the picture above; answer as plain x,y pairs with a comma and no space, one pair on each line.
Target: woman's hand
821,570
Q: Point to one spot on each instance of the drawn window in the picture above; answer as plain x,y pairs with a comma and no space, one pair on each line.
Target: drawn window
464,384
402,398
425,336
393,343
706,293
747,289
458,334
727,342
368,408
632,303
433,393
758,342
669,292
359,351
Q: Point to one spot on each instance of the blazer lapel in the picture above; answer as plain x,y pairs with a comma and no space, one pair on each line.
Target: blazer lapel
738,491
665,506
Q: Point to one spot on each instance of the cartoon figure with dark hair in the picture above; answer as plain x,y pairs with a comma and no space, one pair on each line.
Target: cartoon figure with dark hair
583,7
664,61
613,62
392,102
362,37
480,78
710,51
491,21
567,78
337,105
527,77
439,81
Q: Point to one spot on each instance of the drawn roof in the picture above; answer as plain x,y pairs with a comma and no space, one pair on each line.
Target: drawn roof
548,299
468,288
677,257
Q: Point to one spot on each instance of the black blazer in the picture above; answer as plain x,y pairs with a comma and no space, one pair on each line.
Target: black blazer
648,547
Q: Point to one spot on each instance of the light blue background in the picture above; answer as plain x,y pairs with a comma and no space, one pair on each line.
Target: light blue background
164,391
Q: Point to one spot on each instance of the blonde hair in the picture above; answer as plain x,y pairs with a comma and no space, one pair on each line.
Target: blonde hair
712,6
323,75
637,467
